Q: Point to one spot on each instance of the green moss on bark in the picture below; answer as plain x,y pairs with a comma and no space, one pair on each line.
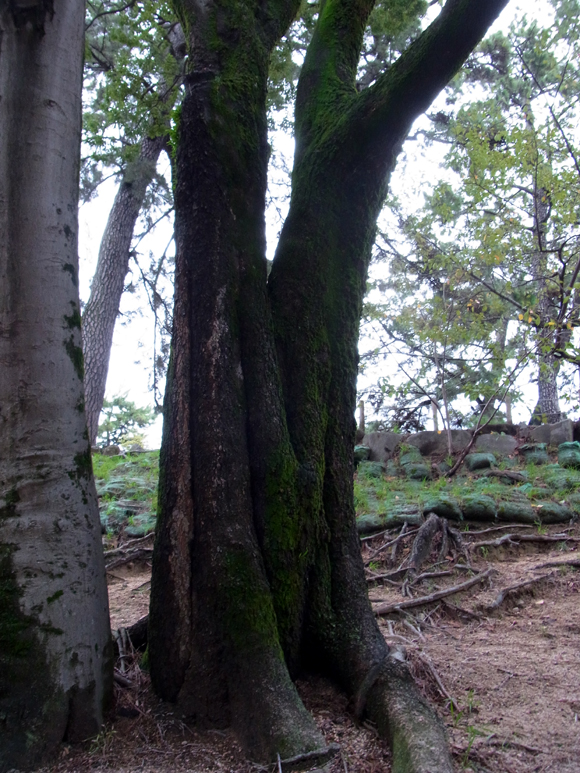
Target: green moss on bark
33,709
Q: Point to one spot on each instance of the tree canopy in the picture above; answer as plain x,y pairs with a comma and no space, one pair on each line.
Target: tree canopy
489,264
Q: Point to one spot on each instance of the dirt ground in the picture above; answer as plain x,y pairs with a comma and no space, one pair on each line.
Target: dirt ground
506,682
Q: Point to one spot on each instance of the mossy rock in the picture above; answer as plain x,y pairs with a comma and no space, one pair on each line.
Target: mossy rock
371,469
569,455
417,471
396,516
361,454
392,469
141,525
445,507
411,456
535,453
517,512
551,512
443,468
479,507
479,461
561,479
574,500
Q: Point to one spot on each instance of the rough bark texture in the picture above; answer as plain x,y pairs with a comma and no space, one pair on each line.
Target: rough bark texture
54,630
257,571
100,313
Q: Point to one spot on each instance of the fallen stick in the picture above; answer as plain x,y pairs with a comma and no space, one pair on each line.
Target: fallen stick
386,609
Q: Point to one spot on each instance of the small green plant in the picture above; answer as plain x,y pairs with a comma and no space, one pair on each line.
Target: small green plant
484,551
472,733
102,743
540,527
471,703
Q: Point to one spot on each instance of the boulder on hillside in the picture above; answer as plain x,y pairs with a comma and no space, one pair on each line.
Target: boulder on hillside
382,444
502,445
435,443
552,434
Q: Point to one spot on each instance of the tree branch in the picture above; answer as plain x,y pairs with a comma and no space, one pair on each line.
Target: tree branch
385,111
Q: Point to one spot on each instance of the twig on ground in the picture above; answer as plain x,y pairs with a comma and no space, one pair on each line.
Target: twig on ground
386,609
138,554
397,543
404,533
426,660
496,740
330,751
129,544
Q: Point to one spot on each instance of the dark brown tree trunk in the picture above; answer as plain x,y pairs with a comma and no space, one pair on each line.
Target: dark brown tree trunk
100,313
257,571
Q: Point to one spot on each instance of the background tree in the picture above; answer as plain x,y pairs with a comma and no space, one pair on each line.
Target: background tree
54,629
500,233
257,570
132,80
121,419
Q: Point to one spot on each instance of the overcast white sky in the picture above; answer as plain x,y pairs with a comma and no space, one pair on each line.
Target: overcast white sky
130,366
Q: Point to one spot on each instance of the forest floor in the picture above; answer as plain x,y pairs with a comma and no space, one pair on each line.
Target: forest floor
501,669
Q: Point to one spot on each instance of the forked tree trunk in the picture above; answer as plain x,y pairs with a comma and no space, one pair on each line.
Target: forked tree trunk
54,629
257,572
102,309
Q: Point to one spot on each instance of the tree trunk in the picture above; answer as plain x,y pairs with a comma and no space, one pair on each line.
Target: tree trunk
257,572
54,630
108,283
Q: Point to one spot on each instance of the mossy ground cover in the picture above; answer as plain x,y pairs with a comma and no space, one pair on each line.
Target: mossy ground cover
549,483
127,490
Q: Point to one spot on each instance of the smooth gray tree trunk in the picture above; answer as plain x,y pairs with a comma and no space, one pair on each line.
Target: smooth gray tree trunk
54,628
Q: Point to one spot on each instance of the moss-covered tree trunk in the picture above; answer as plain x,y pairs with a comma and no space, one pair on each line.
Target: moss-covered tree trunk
257,571
54,625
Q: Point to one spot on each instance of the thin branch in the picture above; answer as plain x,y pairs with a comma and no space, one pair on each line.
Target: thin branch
120,9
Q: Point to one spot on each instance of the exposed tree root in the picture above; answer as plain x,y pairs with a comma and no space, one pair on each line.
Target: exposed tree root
136,554
574,562
505,592
423,541
386,609
514,539
416,735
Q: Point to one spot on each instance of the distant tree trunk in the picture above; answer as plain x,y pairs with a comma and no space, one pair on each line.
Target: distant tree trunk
547,409
102,309
54,629
257,570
